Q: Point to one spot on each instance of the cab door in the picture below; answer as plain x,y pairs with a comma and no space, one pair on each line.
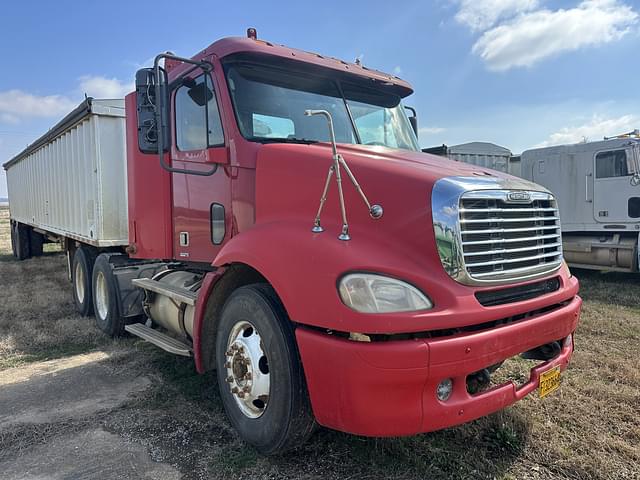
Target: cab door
615,198
201,201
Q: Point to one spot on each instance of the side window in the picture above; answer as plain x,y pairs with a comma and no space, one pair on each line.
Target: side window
612,164
198,124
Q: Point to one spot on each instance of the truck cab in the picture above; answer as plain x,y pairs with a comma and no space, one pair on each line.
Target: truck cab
287,233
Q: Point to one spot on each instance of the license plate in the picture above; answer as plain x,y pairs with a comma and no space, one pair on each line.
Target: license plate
549,381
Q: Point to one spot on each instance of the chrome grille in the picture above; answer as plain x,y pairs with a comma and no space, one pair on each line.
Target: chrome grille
502,239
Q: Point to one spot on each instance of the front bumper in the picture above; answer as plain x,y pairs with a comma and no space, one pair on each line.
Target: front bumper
389,388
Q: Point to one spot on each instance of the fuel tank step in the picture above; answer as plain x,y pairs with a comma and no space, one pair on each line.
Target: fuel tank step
178,294
159,339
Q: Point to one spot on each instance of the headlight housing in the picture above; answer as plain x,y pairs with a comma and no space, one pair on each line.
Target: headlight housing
372,293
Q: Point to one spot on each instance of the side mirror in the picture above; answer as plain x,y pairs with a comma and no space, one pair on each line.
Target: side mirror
413,119
146,106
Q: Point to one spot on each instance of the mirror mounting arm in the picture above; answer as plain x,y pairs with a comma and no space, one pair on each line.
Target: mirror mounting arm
206,67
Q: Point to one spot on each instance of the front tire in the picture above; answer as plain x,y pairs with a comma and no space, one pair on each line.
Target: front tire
105,298
259,371
81,271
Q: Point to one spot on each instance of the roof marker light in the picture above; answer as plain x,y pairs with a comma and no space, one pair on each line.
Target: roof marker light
252,33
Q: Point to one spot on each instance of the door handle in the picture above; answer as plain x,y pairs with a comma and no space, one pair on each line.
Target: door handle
586,188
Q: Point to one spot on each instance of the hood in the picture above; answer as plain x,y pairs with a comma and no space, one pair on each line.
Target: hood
290,179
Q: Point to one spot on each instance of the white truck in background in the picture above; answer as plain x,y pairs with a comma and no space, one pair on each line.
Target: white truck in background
597,186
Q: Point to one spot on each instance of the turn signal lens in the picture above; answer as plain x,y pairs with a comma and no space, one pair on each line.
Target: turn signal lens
370,293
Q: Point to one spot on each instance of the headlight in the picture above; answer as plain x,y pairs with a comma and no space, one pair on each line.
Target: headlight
370,293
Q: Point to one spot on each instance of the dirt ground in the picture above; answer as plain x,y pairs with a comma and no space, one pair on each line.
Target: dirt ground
75,404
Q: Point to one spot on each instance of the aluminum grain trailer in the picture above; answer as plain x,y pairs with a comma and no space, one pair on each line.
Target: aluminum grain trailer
70,186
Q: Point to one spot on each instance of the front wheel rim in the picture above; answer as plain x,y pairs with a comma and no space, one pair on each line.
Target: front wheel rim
101,295
247,370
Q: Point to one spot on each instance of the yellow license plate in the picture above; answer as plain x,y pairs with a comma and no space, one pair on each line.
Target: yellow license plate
549,381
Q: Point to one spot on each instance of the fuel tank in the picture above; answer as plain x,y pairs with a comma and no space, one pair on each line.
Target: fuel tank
165,311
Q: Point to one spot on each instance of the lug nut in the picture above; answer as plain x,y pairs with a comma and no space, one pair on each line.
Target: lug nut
229,353
227,365
247,376
240,394
229,379
234,390
246,389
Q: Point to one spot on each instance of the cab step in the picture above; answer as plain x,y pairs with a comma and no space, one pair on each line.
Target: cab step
159,339
181,295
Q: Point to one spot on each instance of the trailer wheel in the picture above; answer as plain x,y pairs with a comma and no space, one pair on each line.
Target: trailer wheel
13,239
22,241
105,298
81,280
36,242
259,371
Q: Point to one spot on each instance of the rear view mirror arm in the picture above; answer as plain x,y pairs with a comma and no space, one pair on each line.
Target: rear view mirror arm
158,72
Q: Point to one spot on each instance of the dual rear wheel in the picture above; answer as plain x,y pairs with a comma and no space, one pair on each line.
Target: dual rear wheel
94,290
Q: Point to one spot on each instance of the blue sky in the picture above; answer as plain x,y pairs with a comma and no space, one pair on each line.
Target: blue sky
519,73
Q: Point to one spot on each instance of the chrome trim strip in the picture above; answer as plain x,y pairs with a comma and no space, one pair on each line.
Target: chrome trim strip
507,220
512,250
510,240
513,260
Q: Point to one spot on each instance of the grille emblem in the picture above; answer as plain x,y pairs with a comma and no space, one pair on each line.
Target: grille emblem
519,197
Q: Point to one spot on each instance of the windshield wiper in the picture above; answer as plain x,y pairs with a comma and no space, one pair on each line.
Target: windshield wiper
304,141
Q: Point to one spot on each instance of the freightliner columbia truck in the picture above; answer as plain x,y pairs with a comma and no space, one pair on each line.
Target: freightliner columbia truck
267,212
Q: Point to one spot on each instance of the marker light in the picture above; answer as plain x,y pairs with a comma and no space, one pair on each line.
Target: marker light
370,293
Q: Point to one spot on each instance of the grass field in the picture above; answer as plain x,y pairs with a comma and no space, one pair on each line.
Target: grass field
588,430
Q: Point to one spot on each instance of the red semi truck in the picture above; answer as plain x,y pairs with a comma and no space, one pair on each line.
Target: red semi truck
283,229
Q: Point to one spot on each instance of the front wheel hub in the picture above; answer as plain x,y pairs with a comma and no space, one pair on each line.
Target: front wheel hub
247,369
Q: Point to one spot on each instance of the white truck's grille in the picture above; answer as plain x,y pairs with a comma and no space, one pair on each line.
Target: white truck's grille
509,238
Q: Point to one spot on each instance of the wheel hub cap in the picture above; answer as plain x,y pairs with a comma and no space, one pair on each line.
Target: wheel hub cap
247,369
101,296
79,282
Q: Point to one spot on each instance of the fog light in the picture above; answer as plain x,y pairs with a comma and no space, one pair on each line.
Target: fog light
445,387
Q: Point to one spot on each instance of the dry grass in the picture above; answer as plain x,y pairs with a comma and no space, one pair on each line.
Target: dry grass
37,314
588,430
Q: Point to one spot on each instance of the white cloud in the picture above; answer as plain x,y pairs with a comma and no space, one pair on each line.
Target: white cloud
16,104
430,130
102,87
530,37
479,15
596,129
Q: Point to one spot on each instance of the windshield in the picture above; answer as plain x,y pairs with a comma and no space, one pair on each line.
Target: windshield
269,104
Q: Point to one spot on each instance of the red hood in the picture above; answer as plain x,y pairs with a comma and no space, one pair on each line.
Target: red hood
290,178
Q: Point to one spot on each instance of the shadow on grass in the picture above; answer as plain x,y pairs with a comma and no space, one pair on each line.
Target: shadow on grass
482,449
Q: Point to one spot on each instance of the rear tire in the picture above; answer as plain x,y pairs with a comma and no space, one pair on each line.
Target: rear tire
14,240
284,419
81,274
22,241
36,242
105,298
